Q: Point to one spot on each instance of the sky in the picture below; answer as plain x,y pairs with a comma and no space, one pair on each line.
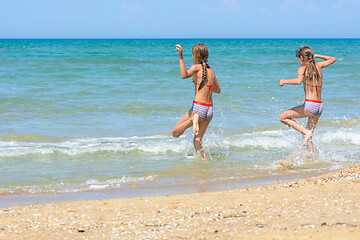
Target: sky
179,19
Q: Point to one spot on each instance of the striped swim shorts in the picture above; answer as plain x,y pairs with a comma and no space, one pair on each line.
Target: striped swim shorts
313,106
204,110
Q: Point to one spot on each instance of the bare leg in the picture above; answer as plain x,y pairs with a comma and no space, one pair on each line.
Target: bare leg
310,145
307,137
184,123
196,124
311,125
203,124
297,112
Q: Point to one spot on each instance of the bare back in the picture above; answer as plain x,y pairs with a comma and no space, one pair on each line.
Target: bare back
313,88
205,93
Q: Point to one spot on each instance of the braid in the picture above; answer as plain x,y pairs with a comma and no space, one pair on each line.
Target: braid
201,54
204,74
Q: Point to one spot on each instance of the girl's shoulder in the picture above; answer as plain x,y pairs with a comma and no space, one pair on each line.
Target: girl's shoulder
196,67
301,69
210,69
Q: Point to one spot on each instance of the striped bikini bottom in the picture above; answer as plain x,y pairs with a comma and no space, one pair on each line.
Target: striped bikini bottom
204,110
313,106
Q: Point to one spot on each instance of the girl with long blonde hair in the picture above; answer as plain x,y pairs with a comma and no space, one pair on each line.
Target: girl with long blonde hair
310,74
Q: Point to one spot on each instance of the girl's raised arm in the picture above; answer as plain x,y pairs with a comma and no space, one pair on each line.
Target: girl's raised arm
184,73
328,60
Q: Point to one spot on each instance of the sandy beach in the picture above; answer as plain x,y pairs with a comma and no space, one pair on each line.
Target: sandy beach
324,207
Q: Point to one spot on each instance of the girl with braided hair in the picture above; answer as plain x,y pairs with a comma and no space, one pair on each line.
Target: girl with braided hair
310,74
201,112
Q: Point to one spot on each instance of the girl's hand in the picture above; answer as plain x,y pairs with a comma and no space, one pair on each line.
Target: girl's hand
282,82
180,49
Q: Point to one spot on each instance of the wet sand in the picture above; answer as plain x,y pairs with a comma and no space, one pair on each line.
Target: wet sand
324,207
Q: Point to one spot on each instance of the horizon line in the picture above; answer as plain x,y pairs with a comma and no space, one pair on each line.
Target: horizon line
170,38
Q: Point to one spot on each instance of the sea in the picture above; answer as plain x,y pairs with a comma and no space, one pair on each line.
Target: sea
92,118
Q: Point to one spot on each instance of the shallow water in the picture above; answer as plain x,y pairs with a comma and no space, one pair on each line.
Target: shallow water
91,115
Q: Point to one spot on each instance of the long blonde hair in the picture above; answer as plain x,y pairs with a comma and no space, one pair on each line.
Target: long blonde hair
201,54
311,72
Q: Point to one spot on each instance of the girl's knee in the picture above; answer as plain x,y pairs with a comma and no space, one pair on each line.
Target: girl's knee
175,134
283,117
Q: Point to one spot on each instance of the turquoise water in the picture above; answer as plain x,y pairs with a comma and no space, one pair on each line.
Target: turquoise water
90,115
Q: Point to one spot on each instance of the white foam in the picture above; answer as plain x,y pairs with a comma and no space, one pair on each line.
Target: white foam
161,144
151,144
266,140
346,136
95,184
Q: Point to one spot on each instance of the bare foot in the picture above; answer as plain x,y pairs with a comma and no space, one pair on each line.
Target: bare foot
203,154
307,137
196,124
310,145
